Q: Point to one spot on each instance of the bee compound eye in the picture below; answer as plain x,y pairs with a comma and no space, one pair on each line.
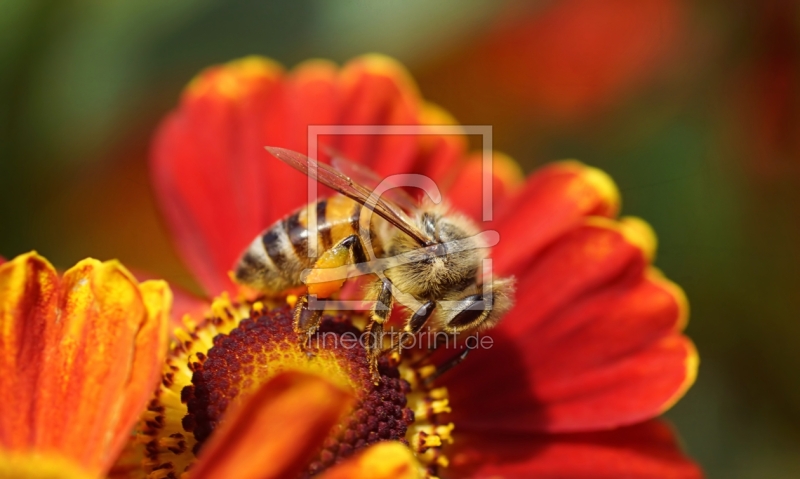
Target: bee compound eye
473,308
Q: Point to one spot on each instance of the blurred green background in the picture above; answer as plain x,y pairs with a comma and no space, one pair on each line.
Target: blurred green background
693,108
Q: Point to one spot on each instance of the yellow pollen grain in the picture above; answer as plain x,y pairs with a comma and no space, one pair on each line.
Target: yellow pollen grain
426,409
438,393
182,335
441,406
188,323
291,300
445,431
432,441
220,307
427,371
420,437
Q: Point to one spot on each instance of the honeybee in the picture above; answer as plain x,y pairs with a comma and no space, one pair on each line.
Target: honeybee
429,259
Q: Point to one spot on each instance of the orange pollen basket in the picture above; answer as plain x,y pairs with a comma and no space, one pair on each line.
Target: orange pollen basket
218,363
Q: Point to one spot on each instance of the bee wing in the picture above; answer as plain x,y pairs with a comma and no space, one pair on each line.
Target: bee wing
340,182
369,179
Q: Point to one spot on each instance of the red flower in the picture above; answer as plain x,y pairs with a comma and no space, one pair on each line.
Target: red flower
591,352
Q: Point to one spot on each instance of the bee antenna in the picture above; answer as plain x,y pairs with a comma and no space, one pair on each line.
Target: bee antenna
448,365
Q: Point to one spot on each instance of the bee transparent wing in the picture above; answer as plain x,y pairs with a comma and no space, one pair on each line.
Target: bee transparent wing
369,179
340,182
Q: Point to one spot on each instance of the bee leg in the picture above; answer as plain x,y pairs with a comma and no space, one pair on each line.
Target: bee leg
378,316
319,279
306,320
414,325
353,243
448,365
307,317
432,348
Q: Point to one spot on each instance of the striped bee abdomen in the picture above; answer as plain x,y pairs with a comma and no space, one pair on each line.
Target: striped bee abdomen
275,260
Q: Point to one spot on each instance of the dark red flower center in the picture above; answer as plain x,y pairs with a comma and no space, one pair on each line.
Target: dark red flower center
264,345
217,363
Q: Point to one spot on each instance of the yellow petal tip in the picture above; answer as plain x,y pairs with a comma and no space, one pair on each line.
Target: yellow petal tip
233,79
692,365
640,233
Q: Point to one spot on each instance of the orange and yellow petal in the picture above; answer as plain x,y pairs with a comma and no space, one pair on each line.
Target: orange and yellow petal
15,465
28,300
80,358
276,432
184,302
386,460
645,451
594,341
553,201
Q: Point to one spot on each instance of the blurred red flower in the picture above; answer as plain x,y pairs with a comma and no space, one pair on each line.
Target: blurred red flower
563,61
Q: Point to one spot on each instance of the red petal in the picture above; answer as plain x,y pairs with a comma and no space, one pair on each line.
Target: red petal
644,451
209,166
465,193
439,155
554,200
276,431
593,342
309,97
185,303
376,90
